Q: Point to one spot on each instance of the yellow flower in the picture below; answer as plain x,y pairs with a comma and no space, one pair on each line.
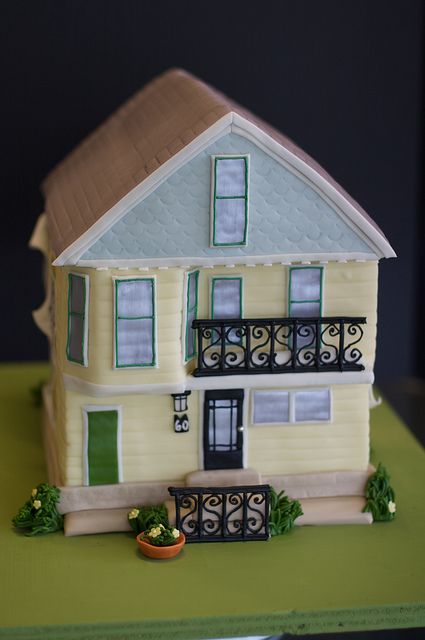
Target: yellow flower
133,514
176,533
34,493
391,507
37,504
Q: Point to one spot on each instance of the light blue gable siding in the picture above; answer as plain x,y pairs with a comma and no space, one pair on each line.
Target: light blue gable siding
285,215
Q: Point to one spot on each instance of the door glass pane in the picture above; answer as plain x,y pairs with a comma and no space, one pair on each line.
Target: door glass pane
222,424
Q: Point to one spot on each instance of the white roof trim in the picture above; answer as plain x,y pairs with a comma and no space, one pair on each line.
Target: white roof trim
223,261
235,123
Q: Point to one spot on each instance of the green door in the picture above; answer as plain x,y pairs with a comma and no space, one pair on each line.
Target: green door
102,447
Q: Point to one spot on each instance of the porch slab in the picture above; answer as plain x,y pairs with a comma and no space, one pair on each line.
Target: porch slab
223,478
114,496
78,523
321,485
339,510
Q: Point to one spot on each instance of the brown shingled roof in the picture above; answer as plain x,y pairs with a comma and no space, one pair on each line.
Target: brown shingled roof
149,129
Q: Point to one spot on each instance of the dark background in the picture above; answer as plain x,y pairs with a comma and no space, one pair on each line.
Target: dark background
342,78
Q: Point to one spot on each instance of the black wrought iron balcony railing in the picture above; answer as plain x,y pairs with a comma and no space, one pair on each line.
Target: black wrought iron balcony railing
278,345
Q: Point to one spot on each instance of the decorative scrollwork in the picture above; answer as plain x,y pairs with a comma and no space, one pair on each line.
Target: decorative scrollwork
351,353
329,350
278,345
188,521
223,513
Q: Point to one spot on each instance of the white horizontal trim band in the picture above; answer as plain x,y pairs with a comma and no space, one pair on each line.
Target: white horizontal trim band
281,380
222,261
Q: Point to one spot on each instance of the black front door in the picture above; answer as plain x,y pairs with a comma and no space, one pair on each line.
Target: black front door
223,429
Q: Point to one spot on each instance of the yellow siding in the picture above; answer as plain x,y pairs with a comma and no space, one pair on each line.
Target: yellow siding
151,450
349,289
100,370
342,444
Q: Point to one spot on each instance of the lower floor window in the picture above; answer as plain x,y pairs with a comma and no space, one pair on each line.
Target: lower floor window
288,407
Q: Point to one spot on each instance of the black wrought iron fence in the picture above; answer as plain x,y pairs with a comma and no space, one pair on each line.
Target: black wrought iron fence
222,514
278,345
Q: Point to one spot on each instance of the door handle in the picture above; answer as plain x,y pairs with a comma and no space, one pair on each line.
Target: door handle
240,429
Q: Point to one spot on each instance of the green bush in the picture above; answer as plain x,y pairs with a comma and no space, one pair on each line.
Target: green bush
39,514
380,497
144,518
283,513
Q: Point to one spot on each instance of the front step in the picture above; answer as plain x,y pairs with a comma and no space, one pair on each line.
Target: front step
324,484
340,510
223,478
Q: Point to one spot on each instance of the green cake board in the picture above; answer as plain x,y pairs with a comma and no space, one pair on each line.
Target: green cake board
316,579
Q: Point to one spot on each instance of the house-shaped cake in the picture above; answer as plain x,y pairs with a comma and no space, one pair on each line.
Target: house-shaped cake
211,308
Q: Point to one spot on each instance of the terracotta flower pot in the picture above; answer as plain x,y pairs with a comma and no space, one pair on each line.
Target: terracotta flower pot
152,551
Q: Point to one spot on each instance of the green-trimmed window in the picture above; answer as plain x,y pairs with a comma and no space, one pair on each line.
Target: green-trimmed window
191,313
305,292
305,299
226,301
135,322
76,345
229,219
102,435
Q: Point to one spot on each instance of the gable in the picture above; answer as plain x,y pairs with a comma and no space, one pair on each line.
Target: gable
286,216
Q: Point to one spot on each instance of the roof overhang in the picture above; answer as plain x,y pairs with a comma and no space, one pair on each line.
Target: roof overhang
232,123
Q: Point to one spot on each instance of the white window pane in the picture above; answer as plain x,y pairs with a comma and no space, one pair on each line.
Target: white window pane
229,221
191,334
135,298
226,298
77,294
76,338
305,310
191,293
230,177
135,342
312,406
271,407
305,284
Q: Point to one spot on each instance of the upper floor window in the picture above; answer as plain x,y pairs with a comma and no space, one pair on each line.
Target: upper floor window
135,322
305,292
226,302
78,299
229,215
191,313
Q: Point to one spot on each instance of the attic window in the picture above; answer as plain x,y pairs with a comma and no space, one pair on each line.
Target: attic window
229,206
